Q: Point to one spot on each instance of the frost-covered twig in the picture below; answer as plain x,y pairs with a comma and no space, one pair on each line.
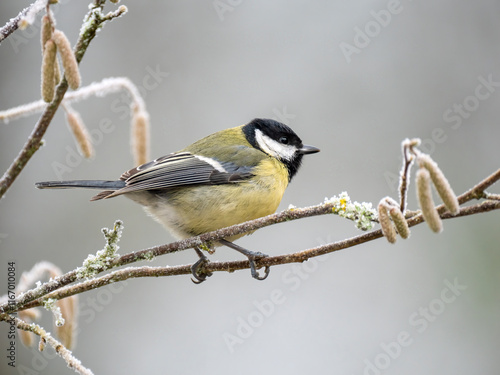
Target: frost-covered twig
45,337
105,87
102,261
24,18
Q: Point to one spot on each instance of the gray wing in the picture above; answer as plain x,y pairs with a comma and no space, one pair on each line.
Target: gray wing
181,169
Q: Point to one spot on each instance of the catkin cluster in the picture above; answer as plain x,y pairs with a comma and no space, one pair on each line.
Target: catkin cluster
55,41
389,209
429,172
391,215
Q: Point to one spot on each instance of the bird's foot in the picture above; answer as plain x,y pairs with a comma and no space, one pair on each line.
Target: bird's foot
252,257
197,268
253,269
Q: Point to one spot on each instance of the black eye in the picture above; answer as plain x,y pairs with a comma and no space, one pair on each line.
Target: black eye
284,140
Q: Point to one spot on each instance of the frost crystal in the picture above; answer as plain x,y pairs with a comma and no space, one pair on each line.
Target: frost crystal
50,304
361,213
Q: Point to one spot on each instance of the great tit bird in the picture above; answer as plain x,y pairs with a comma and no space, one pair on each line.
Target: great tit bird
226,178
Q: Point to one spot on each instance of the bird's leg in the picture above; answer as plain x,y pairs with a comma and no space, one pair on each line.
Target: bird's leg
195,268
251,255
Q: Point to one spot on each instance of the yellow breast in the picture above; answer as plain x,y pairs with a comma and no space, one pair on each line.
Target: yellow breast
190,211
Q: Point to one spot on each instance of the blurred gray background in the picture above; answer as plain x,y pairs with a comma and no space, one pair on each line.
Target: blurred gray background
210,65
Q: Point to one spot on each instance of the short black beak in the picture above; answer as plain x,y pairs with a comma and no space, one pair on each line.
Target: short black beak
308,150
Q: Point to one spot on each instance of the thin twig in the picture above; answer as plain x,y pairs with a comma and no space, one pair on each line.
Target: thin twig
106,86
34,141
60,349
492,196
13,23
478,191
404,181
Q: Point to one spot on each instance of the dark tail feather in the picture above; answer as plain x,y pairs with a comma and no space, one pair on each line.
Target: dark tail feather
86,184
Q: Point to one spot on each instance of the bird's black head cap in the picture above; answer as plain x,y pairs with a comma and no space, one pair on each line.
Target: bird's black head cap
277,140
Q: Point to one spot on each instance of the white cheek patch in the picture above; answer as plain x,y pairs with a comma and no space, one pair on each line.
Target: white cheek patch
274,148
214,163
